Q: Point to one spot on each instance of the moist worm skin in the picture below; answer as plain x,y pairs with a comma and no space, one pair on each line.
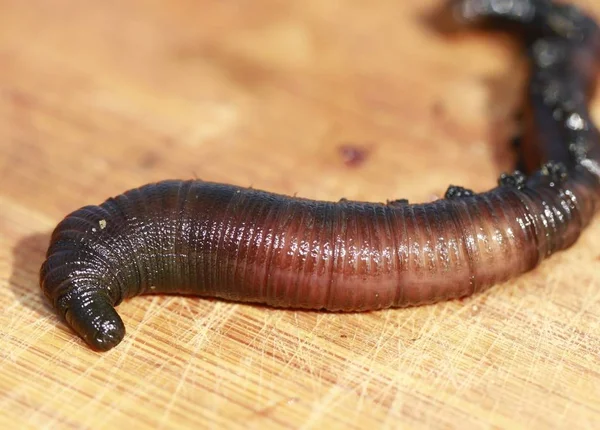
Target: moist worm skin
216,240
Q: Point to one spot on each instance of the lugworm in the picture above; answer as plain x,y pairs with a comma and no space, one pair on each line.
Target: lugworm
216,240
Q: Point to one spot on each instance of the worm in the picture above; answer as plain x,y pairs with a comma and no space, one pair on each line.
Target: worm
215,240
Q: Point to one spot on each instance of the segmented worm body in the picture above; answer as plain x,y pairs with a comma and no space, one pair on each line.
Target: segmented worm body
209,239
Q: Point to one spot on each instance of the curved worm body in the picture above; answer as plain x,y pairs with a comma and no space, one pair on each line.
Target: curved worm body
208,239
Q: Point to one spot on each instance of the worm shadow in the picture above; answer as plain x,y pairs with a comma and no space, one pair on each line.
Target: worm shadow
29,254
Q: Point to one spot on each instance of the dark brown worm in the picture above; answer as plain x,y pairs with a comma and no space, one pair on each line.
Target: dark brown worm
208,239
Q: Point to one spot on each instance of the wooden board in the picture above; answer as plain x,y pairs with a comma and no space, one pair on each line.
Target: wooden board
98,97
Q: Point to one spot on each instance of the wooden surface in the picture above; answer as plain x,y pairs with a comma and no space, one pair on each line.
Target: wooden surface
97,97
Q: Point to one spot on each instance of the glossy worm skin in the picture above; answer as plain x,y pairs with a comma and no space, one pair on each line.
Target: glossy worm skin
208,239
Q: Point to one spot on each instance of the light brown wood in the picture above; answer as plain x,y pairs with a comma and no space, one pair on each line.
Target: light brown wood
98,97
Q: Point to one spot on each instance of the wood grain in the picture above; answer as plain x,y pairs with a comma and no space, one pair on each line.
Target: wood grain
98,97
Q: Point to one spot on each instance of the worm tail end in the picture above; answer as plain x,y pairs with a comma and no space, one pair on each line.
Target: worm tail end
92,316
